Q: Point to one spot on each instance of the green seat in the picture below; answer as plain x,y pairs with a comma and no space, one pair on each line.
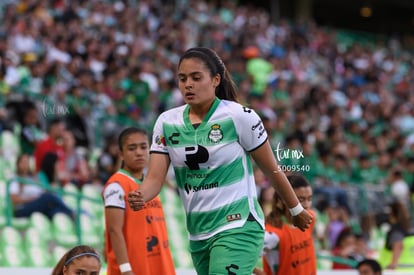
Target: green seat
34,238
11,236
323,260
92,200
42,224
91,191
70,201
89,229
13,256
64,230
38,256
57,253
70,195
92,207
2,219
71,188
3,189
20,223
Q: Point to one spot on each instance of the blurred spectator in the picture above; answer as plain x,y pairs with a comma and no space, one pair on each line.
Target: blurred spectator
28,195
108,161
337,220
31,132
399,221
344,248
4,123
265,199
52,172
364,172
140,90
408,173
76,164
52,143
399,188
362,248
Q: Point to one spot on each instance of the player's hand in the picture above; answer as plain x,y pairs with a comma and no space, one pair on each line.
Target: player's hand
136,200
258,271
303,220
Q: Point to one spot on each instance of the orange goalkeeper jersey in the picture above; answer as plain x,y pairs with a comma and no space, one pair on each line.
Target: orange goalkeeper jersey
145,232
294,254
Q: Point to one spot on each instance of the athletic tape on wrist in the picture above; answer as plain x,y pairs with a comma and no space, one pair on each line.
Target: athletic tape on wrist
125,267
296,210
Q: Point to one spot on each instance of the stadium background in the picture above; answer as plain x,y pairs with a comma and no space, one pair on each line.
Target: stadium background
389,19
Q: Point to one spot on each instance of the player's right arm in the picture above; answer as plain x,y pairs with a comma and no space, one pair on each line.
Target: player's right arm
153,182
115,216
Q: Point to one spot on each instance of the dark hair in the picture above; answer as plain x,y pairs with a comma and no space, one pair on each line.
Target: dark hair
345,233
54,121
226,89
400,214
279,208
48,165
18,159
128,131
72,254
297,181
375,266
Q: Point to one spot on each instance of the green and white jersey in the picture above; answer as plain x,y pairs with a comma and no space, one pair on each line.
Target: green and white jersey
212,165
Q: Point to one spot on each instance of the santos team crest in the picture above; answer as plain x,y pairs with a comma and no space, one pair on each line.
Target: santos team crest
215,135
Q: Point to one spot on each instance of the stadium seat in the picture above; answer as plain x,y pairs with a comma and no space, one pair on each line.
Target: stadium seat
11,148
89,229
2,202
42,224
92,200
91,191
38,256
177,232
3,190
21,223
11,236
2,218
64,230
13,255
57,253
69,196
94,156
34,238
323,261
71,188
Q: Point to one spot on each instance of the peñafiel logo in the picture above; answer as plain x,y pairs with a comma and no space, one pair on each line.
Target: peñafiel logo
150,219
188,188
152,241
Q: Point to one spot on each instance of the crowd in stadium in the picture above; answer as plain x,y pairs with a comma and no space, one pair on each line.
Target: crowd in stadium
339,112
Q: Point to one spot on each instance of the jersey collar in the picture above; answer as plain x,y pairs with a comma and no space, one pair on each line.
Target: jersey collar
126,173
206,118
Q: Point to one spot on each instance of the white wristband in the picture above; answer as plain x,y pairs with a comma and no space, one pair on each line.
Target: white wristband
296,210
125,267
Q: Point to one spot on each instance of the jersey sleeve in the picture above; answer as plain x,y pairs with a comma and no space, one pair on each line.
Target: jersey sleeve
113,196
158,143
250,128
271,240
271,258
